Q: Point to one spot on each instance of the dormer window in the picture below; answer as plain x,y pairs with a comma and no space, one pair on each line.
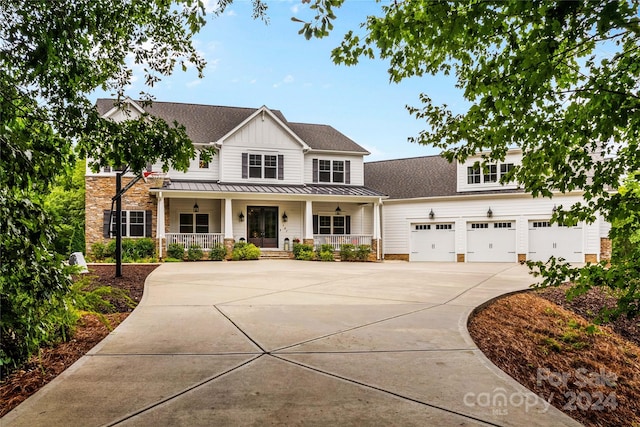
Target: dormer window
473,175
491,174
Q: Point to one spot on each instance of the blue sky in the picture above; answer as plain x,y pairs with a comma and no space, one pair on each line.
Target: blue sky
250,64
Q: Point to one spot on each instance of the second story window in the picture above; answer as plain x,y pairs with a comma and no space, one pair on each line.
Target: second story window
255,165
338,171
262,166
505,168
202,164
270,166
473,175
324,173
335,171
491,173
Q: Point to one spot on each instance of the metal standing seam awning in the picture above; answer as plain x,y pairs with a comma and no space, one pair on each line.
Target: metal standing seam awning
346,191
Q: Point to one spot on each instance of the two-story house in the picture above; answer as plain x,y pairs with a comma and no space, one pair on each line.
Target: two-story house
273,181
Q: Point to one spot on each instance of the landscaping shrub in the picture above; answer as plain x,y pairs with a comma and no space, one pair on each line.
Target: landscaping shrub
218,253
347,252
305,255
195,252
145,248
175,250
363,252
244,251
301,248
98,251
325,252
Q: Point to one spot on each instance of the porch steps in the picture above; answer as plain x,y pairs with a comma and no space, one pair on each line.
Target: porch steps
276,255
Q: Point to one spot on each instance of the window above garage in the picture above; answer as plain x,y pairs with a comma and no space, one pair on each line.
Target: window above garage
472,176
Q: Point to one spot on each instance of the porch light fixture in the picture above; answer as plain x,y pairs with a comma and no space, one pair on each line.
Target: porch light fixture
338,210
285,218
489,213
555,209
196,208
241,216
431,214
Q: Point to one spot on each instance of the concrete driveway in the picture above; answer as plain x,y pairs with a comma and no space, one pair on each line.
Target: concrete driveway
297,343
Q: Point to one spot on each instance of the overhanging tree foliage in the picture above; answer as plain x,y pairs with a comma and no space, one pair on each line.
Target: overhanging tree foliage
557,79
53,54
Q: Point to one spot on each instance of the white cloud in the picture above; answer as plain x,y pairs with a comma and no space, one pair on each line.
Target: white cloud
287,80
253,81
232,13
194,83
295,8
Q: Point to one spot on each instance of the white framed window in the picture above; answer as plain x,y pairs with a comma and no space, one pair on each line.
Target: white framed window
270,166
338,171
255,165
491,173
134,223
202,164
332,171
328,224
505,168
324,171
473,175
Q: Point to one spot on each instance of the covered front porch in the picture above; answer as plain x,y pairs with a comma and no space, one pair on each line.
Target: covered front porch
271,221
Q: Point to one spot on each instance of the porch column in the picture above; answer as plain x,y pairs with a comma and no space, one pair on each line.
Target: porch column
376,228
160,223
308,222
228,219
228,227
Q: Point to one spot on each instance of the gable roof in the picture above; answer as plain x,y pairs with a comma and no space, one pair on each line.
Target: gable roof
209,123
428,176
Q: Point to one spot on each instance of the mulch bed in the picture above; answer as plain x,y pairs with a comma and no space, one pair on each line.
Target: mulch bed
41,369
589,372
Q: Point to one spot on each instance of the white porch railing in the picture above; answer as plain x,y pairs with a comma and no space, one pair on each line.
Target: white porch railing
340,239
205,240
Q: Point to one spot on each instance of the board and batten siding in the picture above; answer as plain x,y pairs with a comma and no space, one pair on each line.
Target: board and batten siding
400,215
356,166
261,137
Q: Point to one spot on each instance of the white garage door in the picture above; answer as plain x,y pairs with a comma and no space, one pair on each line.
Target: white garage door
546,240
433,242
491,241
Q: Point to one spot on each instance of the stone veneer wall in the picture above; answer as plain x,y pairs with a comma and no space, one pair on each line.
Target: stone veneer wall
605,248
98,193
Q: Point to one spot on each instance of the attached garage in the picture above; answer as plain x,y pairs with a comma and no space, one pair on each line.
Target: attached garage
433,242
546,240
490,241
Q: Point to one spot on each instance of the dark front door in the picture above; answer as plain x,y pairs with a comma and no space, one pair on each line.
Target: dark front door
262,226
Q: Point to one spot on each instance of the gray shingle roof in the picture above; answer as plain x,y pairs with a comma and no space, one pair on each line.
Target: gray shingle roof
217,187
209,123
410,178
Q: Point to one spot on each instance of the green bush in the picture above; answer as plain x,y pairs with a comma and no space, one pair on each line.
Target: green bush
299,248
175,250
195,252
326,256
98,251
347,252
305,255
244,251
110,249
218,253
363,252
326,247
145,248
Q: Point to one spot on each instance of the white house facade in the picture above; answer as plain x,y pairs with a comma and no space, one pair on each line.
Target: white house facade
273,182
437,211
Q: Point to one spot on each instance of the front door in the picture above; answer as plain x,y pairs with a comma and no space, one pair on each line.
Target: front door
262,226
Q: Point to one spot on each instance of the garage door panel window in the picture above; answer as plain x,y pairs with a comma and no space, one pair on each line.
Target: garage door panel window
479,225
502,225
423,227
444,226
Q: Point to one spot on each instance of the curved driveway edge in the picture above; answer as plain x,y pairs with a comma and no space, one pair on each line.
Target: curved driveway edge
297,343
